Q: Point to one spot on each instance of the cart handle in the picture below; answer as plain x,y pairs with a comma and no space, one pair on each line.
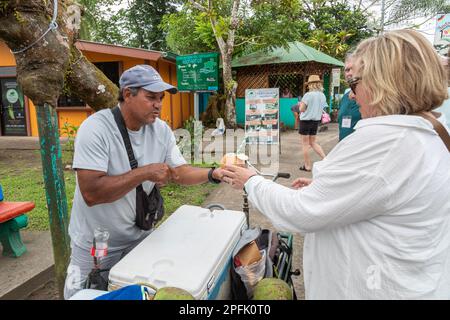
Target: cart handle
284,175
215,205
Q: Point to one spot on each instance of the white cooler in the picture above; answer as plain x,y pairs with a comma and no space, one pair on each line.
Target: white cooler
191,250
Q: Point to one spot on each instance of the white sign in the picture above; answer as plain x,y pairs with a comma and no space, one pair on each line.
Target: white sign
12,96
262,116
442,32
336,77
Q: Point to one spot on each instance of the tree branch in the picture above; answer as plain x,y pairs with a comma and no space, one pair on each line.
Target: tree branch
233,26
252,39
54,63
221,43
198,6
369,6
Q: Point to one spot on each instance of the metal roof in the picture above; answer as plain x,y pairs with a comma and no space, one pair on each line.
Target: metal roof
112,49
297,52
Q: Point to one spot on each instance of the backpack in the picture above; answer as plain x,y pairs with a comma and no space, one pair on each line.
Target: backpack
276,253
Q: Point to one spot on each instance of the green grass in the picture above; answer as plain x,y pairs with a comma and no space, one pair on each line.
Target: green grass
22,180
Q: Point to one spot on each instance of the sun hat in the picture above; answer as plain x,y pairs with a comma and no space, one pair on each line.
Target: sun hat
145,77
313,78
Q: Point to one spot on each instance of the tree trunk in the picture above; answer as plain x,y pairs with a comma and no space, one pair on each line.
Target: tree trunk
55,190
230,87
226,50
47,66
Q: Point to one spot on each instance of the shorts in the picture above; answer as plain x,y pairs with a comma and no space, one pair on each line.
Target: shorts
308,127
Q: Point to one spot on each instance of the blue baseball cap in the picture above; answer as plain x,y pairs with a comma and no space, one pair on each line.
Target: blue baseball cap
145,77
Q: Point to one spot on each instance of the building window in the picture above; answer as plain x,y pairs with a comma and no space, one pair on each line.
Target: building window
292,83
111,71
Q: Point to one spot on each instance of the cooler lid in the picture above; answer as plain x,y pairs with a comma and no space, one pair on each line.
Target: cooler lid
187,251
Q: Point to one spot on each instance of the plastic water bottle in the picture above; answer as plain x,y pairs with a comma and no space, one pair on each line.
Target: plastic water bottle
100,244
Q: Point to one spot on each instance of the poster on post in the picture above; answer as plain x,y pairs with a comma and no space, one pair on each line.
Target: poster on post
12,108
262,116
336,77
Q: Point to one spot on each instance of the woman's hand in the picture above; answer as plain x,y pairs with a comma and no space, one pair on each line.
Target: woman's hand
301,182
237,176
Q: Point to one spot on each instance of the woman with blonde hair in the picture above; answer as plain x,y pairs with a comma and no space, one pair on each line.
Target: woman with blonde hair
377,212
311,108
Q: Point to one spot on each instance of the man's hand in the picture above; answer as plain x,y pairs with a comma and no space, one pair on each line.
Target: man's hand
301,182
237,176
218,174
97,187
159,173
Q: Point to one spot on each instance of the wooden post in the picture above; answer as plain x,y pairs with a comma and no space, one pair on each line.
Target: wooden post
196,106
55,190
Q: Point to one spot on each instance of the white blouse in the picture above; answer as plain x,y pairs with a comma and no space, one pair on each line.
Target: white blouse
377,214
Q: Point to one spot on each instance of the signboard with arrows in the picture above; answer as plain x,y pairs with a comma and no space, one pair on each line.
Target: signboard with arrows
198,72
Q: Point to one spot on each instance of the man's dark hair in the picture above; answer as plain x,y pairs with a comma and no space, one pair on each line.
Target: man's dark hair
134,92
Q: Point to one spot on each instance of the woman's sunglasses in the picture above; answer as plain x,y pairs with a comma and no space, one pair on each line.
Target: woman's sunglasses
353,82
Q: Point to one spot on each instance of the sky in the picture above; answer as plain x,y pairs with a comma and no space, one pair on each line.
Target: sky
427,24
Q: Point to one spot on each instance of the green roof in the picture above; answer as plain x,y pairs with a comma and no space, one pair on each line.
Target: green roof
297,52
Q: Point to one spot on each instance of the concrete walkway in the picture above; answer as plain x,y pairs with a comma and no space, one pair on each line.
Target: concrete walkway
22,143
20,276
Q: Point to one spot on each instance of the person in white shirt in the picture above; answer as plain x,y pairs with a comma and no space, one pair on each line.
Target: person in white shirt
377,212
106,189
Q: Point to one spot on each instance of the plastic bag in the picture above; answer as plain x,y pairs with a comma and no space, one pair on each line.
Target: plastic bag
220,128
325,118
253,273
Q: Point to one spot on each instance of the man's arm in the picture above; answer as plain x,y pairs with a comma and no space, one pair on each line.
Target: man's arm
188,175
97,187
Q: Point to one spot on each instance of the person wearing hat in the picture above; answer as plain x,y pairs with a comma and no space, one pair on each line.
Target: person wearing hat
311,108
105,194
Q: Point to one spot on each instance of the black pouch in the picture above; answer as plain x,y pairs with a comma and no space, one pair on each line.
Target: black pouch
149,208
95,280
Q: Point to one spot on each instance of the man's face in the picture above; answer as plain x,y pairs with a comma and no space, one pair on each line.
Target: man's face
348,69
145,107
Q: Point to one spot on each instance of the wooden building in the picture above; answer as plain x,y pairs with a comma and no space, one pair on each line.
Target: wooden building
18,114
284,69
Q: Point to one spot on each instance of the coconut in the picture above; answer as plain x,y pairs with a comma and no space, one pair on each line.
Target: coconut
272,289
172,293
233,159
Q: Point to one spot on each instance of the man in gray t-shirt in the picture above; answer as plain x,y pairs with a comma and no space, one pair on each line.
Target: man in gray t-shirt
105,195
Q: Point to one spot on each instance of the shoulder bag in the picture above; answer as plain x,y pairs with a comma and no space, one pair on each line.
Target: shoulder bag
149,208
